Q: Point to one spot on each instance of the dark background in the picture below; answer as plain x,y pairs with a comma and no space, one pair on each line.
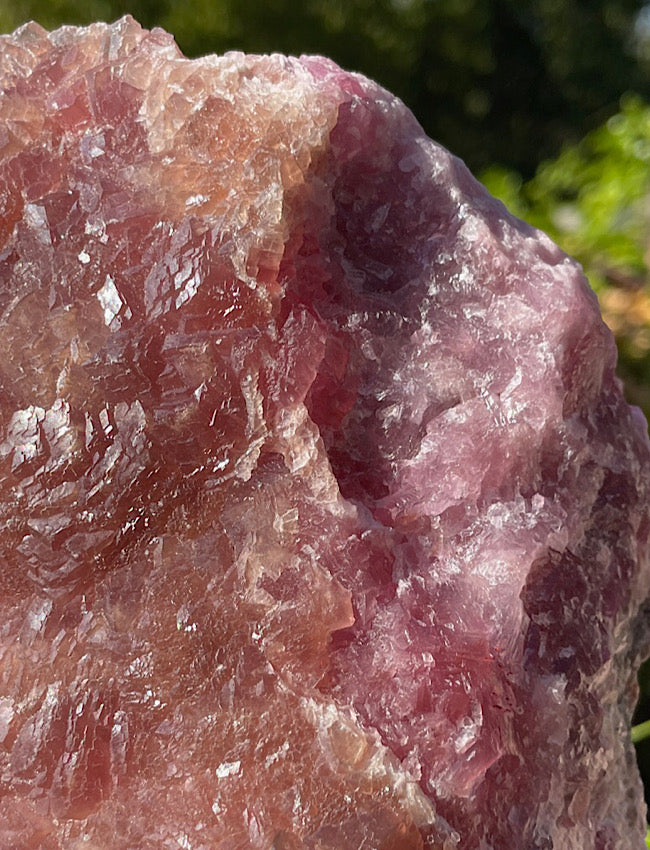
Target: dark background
546,100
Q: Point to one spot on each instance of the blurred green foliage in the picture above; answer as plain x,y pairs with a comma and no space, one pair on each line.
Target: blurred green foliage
593,197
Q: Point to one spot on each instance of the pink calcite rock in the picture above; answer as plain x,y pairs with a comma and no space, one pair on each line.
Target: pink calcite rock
323,522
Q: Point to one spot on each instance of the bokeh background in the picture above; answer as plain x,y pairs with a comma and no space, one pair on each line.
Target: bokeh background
548,102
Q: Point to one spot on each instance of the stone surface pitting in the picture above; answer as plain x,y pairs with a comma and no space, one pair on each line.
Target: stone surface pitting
323,522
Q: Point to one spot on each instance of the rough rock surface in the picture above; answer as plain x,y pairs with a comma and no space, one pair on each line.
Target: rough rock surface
323,522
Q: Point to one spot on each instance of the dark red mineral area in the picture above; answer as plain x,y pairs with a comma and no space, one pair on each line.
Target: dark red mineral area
323,522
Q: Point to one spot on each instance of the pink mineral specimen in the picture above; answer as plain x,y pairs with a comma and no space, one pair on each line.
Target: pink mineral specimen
323,522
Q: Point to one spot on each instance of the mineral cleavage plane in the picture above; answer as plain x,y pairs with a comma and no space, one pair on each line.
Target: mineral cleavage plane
323,521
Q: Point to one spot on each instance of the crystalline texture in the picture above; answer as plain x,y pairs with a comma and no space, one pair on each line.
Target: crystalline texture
323,522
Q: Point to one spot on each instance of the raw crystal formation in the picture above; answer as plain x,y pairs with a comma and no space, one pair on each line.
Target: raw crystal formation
323,522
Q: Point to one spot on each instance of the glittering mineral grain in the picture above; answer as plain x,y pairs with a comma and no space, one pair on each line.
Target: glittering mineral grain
323,522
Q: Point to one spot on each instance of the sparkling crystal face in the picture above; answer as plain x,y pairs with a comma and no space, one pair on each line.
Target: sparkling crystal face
323,522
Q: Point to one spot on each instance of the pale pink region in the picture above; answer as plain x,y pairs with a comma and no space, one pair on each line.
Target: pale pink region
328,73
323,522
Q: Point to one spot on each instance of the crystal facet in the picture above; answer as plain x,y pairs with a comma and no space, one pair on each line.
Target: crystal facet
323,521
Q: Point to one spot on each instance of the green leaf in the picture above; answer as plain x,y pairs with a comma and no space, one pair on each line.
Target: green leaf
640,732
